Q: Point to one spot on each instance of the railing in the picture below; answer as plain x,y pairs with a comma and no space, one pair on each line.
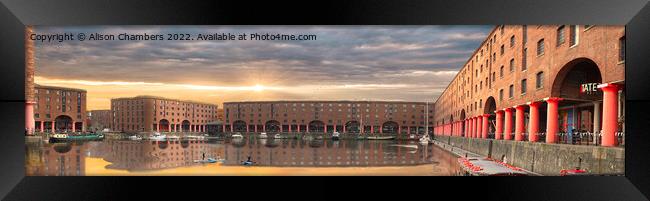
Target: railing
577,138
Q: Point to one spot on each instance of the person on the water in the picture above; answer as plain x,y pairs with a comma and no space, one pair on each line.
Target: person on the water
203,157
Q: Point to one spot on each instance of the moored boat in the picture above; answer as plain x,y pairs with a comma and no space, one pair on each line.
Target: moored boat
263,136
135,137
58,138
336,135
237,135
425,139
157,137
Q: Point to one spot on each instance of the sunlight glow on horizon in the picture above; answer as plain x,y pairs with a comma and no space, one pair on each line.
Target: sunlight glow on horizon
100,93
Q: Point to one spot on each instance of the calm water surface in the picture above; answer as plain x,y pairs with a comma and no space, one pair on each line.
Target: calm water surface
271,157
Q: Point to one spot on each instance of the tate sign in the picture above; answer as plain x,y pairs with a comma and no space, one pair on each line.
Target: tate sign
589,88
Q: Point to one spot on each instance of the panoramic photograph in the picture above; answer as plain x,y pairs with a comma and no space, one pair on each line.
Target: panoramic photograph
449,100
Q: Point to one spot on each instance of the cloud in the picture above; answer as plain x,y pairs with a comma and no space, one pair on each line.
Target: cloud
372,60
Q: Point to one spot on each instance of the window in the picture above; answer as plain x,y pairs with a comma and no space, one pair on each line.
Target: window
621,49
502,26
500,94
587,27
501,72
512,65
512,41
502,50
539,83
540,47
511,91
573,35
523,86
560,35
523,59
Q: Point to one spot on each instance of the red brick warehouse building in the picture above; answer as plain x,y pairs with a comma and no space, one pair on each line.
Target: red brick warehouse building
152,113
58,109
327,116
539,83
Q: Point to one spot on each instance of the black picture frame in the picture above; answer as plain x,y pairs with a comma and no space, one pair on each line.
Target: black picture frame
15,14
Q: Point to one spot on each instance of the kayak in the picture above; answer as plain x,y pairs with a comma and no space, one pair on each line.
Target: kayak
209,160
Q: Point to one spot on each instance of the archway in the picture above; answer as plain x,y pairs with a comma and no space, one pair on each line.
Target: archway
164,125
63,123
316,126
185,125
489,108
272,126
568,85
390,127
572,75
239,126
352,127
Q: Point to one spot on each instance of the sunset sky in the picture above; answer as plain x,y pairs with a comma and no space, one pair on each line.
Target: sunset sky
410,63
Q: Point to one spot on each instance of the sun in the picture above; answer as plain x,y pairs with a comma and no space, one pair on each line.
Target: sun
258,87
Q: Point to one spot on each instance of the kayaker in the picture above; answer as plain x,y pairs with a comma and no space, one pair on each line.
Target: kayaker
203,157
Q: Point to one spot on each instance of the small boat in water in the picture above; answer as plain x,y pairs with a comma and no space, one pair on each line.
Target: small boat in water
209,160
263,136
173,137
237,135
62,137
157,137
336,135
278,136
425,139
58,138
135,137
476,166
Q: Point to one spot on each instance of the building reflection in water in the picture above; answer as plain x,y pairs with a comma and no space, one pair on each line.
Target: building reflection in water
69,158
57,159
154,155
327,153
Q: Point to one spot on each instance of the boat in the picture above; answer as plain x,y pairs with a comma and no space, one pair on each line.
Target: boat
58,138
476,166
247,163
237,135
172,137
157,137
135,137
336,135
263,136
380,138
425,139
209,160
278,136
91,136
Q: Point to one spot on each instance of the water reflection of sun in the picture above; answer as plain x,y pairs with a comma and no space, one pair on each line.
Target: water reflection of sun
97,167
